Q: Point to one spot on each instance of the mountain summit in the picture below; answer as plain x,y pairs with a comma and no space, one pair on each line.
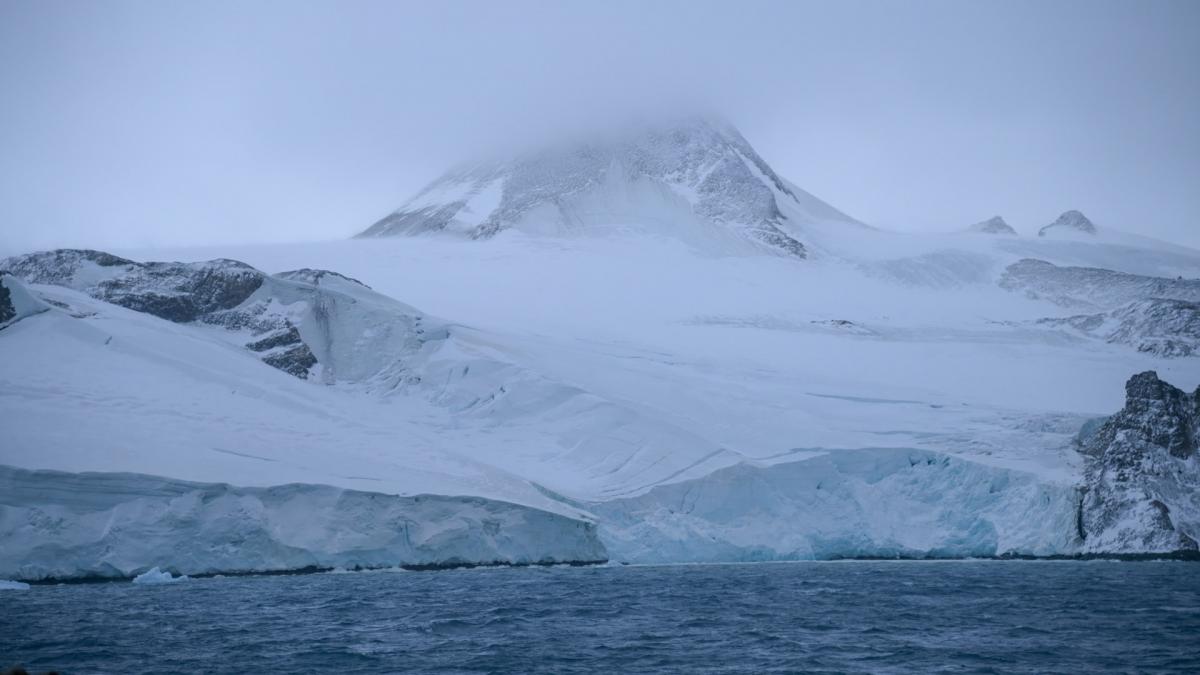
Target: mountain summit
697,180
993,225
1071,221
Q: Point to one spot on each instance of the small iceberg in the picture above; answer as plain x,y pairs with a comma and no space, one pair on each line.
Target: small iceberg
6,585
157,576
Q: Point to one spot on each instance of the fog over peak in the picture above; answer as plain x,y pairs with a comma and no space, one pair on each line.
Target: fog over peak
138,123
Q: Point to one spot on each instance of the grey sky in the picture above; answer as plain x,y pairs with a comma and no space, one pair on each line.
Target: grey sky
154,123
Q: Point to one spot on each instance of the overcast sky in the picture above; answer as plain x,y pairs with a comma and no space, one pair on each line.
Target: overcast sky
168,123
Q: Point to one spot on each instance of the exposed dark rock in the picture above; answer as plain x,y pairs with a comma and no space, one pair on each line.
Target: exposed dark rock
213,292
1142,474
179,292
7,311
285,338
292,321
297,361
314,277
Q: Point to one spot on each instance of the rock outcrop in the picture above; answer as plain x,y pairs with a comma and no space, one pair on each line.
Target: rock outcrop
307,323
1141,473
16,302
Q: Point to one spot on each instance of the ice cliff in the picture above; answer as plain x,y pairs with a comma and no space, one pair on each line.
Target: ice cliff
70,525
845,503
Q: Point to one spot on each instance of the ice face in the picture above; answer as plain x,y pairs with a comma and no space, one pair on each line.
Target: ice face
61,525
845,503
155,576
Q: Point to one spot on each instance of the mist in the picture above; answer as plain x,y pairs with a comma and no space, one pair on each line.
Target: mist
142,124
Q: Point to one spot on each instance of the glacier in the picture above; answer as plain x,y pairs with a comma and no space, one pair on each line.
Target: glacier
642,379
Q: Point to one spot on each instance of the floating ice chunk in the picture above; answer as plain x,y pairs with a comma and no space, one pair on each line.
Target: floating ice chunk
6,585
157,576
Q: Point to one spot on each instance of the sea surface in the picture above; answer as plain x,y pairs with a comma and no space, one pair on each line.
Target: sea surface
959,617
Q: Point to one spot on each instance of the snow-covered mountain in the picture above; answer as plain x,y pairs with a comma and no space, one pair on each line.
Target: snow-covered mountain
697,180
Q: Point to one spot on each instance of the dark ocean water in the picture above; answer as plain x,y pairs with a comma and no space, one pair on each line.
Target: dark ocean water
972,617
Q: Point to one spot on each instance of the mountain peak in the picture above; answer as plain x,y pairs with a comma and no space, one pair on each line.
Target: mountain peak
993,225
695,178
1071,221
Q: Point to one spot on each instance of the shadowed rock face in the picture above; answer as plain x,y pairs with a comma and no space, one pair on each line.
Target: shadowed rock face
7,311
1142,474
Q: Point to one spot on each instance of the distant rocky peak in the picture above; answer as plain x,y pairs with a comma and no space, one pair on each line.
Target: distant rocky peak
993,225
1071,221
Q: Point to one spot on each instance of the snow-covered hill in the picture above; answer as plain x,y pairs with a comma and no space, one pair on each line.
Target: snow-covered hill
696,180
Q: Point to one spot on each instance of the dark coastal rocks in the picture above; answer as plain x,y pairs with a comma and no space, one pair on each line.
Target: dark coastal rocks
1141,473
7,310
